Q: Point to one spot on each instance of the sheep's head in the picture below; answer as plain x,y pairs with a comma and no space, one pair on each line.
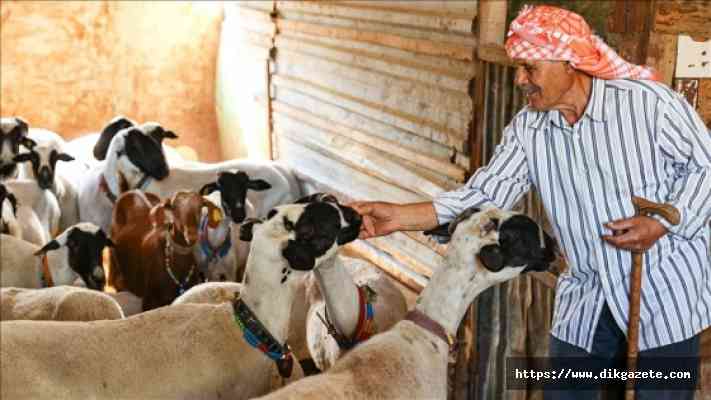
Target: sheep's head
44,157
8,211
84,242
136,156
500,244
107,134
233,188
13,133
306,233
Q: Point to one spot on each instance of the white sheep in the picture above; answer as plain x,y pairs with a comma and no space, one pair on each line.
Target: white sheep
180,351
13,139
132,159
58,303
73,255
9,224
410,360
210,293
40,165
37,210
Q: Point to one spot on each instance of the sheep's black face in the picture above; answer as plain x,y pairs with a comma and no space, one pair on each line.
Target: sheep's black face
84,243
233,188
44,161
505,239
85,256
146,154
352,219
13,133
110,130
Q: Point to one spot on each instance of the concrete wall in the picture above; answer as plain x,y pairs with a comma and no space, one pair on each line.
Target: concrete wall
71,66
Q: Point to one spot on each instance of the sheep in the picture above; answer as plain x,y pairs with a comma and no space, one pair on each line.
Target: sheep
73,255
228,194
9,224
410,360
99,142
132,157
43,164
186,350
58,303
209,293
13,138
130,303
38,210
336,288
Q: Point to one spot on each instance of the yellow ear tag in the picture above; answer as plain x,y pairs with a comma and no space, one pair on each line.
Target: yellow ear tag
215,217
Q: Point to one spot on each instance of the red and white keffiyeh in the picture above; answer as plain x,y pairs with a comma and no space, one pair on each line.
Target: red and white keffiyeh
554,34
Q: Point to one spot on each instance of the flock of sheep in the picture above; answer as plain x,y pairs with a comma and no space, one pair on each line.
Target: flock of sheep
260,288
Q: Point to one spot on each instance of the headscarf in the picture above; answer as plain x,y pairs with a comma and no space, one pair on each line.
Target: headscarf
554,34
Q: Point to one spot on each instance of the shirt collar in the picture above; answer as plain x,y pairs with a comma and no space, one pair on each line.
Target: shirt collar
595,108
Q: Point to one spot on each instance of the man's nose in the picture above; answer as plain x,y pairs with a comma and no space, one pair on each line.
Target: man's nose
521,76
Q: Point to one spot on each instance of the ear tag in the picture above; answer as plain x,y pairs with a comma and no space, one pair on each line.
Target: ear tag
215,218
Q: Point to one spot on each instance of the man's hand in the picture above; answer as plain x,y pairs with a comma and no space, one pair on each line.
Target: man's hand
379,218
636,234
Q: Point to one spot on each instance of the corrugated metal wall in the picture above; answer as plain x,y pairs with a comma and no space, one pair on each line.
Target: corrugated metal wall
371,99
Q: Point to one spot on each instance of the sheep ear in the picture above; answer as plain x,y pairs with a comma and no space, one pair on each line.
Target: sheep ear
491,257
109,243
22,157
258,184
52,245
209,188
22,126
169,135
28,143
108,133
64,157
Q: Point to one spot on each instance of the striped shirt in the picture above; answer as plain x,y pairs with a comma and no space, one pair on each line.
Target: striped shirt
635,138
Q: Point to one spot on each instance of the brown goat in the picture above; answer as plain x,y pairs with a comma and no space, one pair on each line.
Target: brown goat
153,258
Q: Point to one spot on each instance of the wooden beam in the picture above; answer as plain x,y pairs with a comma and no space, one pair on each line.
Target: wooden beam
492,22
662,53
683,17
423,46
494,53
388,264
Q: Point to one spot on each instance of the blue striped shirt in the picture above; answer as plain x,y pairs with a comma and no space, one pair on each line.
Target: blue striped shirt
635,138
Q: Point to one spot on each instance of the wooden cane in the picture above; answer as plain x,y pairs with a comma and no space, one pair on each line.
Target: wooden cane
646,208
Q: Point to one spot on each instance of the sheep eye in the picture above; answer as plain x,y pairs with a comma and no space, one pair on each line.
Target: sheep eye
288,225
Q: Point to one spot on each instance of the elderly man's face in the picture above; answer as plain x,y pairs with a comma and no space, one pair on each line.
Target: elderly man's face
544,83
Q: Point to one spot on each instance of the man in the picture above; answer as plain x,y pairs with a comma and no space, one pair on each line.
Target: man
596,131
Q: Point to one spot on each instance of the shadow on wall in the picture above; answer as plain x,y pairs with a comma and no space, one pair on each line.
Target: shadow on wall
71,66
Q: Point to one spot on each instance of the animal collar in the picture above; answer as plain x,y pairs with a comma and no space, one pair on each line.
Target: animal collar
45,273
169,245
259,337
428,324
104,186
212,253
365,327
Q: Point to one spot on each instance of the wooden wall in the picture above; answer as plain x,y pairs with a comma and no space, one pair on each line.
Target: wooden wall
71,66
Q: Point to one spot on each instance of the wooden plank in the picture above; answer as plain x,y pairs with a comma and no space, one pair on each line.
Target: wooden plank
421,46
661,55
263,5
419,34
351,119
492,22
252,51
683,17
401,69
388,264
406,258
448,108
254,20
545,277
494,54
333,173
447,22
385,146
358,156
417,125
439,65
467,8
